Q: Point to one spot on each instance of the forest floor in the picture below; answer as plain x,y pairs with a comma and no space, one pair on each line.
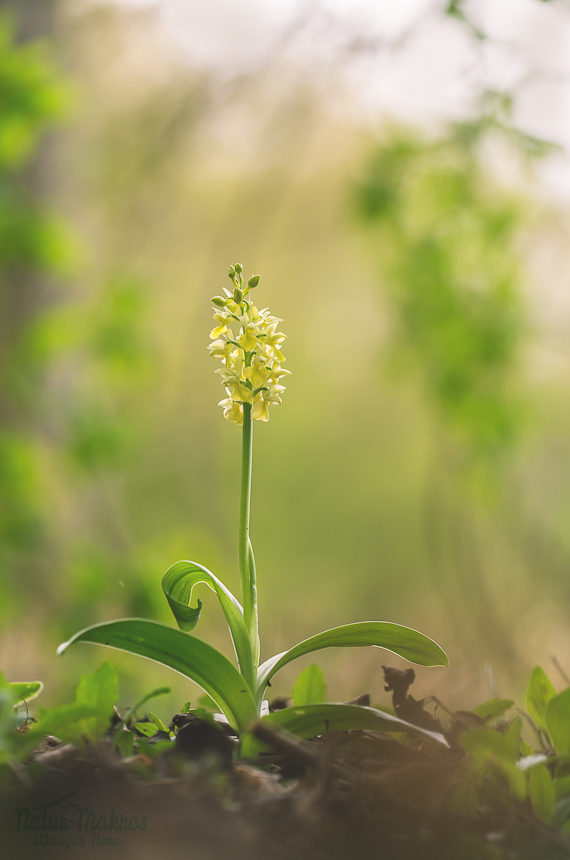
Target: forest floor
345,795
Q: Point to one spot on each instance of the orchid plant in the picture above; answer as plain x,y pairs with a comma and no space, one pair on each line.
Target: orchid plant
248,343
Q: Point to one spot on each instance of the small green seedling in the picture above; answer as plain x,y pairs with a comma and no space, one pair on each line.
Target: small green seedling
249,344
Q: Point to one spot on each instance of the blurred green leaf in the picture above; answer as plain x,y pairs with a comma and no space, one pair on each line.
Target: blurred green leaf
26,690
561,812
557,721
482,744
148,729
158,722
125,743
492,709
101,690
562,786
489,748
445,242
542,792
512,737
539,692
61,721
310,687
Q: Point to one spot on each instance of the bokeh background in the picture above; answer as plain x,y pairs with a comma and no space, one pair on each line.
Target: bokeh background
398,174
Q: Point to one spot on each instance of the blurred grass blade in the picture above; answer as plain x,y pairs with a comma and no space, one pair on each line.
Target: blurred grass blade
178,583
404,641
308,721
191,657
26,690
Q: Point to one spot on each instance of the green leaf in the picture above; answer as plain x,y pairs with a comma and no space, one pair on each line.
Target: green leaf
562,786
561,812
26,690
513,737
101,690
160,691
152,750
158,722
147,729
539,692
557,720
492,709
308,721
542,792
60,721
482,744
501,751
191,657
178,583
126,743
404,641
310,687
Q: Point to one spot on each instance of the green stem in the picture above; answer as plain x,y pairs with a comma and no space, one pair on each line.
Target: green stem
246,562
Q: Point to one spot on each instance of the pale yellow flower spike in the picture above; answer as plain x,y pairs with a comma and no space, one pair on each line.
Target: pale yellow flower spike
247,343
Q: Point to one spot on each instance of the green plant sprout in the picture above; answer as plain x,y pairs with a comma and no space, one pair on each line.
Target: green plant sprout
249,345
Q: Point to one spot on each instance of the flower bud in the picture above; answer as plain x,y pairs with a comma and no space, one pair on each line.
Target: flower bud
253,281
232,273
239,268
219,301
238,296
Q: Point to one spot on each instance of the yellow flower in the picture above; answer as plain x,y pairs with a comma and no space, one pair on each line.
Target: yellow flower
258,373
222,326
250,354
260,409
241,393
232,411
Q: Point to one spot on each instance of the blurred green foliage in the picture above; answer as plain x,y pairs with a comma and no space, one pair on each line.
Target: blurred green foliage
32,244
32,98
445,236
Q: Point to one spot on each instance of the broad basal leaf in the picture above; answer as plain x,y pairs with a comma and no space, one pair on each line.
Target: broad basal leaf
178,583
404,641
191,657
309,721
